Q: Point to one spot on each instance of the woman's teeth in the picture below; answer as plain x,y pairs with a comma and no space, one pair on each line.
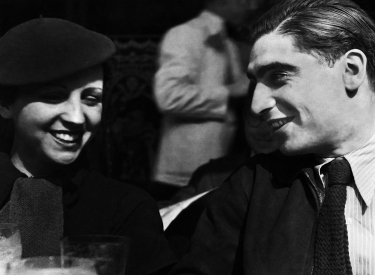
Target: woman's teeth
66,137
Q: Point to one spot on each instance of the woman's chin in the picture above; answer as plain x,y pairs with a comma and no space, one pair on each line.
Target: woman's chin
64,159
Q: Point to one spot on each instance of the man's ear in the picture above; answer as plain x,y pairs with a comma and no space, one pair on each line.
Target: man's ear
355,69
5,110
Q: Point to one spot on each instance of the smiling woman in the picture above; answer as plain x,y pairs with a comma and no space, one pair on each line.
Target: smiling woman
54,121
52,88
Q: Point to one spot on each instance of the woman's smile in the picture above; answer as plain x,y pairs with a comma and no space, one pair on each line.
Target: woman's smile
67,137
56,120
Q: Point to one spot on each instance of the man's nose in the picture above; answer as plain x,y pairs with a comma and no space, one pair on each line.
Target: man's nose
262,101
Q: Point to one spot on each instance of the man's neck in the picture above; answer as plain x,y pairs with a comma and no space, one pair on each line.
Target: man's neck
356,141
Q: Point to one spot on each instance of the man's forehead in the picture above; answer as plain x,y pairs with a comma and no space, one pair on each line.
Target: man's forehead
272,48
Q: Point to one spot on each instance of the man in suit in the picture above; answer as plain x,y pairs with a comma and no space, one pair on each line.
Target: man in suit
200,77
307,208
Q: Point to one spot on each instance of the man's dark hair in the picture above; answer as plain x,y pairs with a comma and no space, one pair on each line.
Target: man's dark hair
324,28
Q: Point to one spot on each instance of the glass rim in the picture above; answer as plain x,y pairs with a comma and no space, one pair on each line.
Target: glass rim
57,259
6,225
100,239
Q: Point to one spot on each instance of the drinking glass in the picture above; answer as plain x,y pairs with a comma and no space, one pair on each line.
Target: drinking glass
109,252
53,265
10,244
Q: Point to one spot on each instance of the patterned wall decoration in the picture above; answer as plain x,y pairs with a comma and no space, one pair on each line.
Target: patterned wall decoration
131,124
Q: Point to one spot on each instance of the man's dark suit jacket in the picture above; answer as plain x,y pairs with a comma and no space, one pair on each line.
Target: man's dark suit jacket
262,220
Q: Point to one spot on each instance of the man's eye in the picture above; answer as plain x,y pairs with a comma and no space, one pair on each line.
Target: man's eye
279,77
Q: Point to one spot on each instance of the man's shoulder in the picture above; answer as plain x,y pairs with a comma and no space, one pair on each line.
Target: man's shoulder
266,173
280,167
277,159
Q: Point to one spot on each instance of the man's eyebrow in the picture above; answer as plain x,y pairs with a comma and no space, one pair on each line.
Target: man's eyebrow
263,69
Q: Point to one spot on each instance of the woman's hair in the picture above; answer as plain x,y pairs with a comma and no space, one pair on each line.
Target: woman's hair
8,94
108,83
324,28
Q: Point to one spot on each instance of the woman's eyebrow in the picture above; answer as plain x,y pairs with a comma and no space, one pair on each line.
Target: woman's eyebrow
93,88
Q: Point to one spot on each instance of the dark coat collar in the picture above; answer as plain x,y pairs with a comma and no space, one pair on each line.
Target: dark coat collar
69,178
285,169
8,175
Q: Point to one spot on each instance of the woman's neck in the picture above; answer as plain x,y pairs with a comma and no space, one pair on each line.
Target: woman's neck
32,168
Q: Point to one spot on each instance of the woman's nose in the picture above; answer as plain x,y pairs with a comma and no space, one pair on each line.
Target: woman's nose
73,112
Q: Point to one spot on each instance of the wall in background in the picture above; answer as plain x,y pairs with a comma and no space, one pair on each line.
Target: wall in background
120,17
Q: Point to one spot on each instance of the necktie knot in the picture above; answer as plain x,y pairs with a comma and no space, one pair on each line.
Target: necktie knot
339,172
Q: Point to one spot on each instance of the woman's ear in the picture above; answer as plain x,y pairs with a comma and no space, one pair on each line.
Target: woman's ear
5,110
355,69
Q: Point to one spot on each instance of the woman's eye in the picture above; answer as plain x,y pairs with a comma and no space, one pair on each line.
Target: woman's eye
53,97
51,94
92,96
92,100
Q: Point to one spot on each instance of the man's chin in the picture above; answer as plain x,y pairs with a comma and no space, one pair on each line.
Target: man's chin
291,150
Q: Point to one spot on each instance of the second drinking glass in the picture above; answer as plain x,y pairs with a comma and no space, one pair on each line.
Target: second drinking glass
109,252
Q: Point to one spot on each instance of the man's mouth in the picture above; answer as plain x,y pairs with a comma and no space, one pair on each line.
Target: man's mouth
278,123
66,137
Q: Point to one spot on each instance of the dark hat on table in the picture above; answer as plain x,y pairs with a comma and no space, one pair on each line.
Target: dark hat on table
45,49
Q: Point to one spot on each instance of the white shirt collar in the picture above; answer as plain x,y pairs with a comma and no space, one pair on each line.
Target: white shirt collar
362,163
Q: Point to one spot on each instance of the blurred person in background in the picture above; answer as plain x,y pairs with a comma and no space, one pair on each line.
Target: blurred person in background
201,76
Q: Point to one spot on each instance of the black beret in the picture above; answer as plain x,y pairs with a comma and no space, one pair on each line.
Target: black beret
44,49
